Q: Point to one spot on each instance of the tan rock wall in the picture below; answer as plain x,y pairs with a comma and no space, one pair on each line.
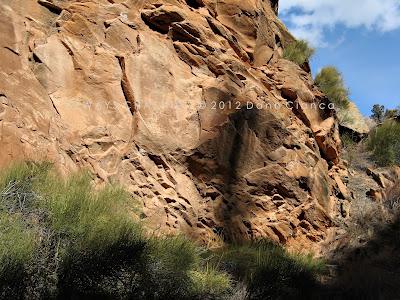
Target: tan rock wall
157,95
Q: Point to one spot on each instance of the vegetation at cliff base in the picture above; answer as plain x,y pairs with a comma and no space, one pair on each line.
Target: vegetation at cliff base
63,239
298,52
330,82
384,142
270,272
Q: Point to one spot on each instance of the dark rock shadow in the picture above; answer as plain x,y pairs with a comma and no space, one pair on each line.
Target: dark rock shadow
242,146
371,271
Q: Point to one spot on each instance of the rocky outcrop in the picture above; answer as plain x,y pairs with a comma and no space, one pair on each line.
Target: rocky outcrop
353,124
188,104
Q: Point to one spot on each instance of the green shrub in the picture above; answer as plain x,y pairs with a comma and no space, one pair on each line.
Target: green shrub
298,52
91,220
17,238
177,270
64,239
384,142
61,238
170,260
392,113
270,272
210,281
16,247
330,82
79,235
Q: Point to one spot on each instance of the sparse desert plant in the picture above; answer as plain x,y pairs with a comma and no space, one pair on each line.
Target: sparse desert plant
270,272
330,82
392,196
16,249
384,142
210,281
169,263
367,218
345,117
369,261
177,269
355,153
391,113
347,140
298,52
92,220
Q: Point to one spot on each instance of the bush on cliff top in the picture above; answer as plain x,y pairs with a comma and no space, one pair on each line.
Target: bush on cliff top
298,52
330,82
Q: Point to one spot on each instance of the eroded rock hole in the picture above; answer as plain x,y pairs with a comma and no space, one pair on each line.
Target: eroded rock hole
55,9
278,40
160,20
195,3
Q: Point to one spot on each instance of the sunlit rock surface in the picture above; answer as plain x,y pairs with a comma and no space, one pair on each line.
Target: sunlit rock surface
188,104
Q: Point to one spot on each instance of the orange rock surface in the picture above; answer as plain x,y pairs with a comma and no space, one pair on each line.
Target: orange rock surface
188,104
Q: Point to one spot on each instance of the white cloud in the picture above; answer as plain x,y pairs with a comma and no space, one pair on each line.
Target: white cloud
308,19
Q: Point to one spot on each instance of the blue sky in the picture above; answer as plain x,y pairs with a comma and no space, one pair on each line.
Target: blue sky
361,39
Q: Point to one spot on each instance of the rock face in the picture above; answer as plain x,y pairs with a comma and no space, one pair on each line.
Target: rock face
353,124
188,104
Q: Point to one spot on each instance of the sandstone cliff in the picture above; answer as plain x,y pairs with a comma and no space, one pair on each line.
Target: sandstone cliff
183,102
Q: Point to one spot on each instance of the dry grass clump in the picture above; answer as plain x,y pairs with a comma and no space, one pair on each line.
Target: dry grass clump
392,196
370,266
355,153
